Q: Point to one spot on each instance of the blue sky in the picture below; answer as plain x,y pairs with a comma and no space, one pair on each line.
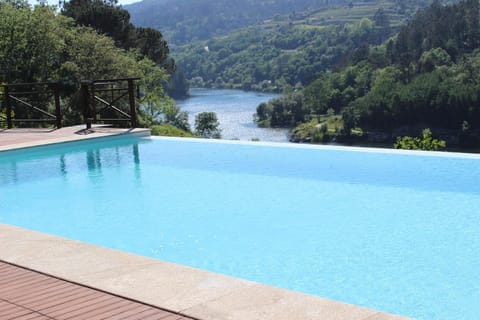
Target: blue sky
56,1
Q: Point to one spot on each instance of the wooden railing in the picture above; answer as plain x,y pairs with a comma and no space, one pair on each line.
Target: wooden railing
24,102
103,101
111,95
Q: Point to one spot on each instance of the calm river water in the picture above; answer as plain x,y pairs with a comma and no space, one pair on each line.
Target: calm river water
234,109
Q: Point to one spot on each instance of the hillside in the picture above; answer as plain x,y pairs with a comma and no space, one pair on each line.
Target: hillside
271,59
182,21
292,49
185,20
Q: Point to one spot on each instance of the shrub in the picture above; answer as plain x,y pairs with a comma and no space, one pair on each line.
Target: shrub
169,131
426,142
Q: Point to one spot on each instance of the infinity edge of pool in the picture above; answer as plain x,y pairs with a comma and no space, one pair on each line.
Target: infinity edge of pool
446,154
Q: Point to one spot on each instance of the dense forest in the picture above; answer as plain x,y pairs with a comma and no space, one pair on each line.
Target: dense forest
293,49
426,76
271,60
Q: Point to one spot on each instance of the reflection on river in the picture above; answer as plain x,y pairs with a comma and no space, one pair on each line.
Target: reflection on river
234,109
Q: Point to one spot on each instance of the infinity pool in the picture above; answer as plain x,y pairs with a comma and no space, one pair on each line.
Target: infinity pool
398,232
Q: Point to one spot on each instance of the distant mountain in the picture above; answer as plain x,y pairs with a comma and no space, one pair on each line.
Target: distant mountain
182,21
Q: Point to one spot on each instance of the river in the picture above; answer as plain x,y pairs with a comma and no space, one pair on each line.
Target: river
234,109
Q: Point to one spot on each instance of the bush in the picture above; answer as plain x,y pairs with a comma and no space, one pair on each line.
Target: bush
426,142
311,132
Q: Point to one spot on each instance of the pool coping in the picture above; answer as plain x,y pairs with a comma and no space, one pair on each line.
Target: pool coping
72,136
188,291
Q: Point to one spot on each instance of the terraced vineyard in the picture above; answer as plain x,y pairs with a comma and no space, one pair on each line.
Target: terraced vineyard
396,11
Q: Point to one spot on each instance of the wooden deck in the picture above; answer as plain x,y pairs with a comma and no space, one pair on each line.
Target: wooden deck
29,295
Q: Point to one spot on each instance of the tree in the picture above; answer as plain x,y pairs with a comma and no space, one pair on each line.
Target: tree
433,58
151,44
178,85
173,115
157,106
30,42
349,121
263,114
107,17
91,56
381,19
17,4
207,125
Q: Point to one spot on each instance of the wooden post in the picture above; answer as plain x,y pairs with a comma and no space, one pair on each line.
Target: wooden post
58,113
85,101
131,97
8,107
93,102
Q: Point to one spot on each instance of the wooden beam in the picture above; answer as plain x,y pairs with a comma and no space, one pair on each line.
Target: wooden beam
8,106
131,96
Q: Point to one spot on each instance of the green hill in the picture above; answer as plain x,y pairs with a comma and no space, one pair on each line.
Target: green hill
270,59
293,49
185,20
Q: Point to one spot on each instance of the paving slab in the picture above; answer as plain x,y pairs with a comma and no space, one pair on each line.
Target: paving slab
23,138
276,303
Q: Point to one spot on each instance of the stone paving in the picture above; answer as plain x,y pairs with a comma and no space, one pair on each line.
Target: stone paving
23,138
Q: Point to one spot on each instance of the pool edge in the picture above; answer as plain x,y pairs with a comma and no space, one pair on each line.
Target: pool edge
189,291
72,137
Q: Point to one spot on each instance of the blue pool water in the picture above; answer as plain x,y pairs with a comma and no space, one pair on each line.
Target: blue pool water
390,231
